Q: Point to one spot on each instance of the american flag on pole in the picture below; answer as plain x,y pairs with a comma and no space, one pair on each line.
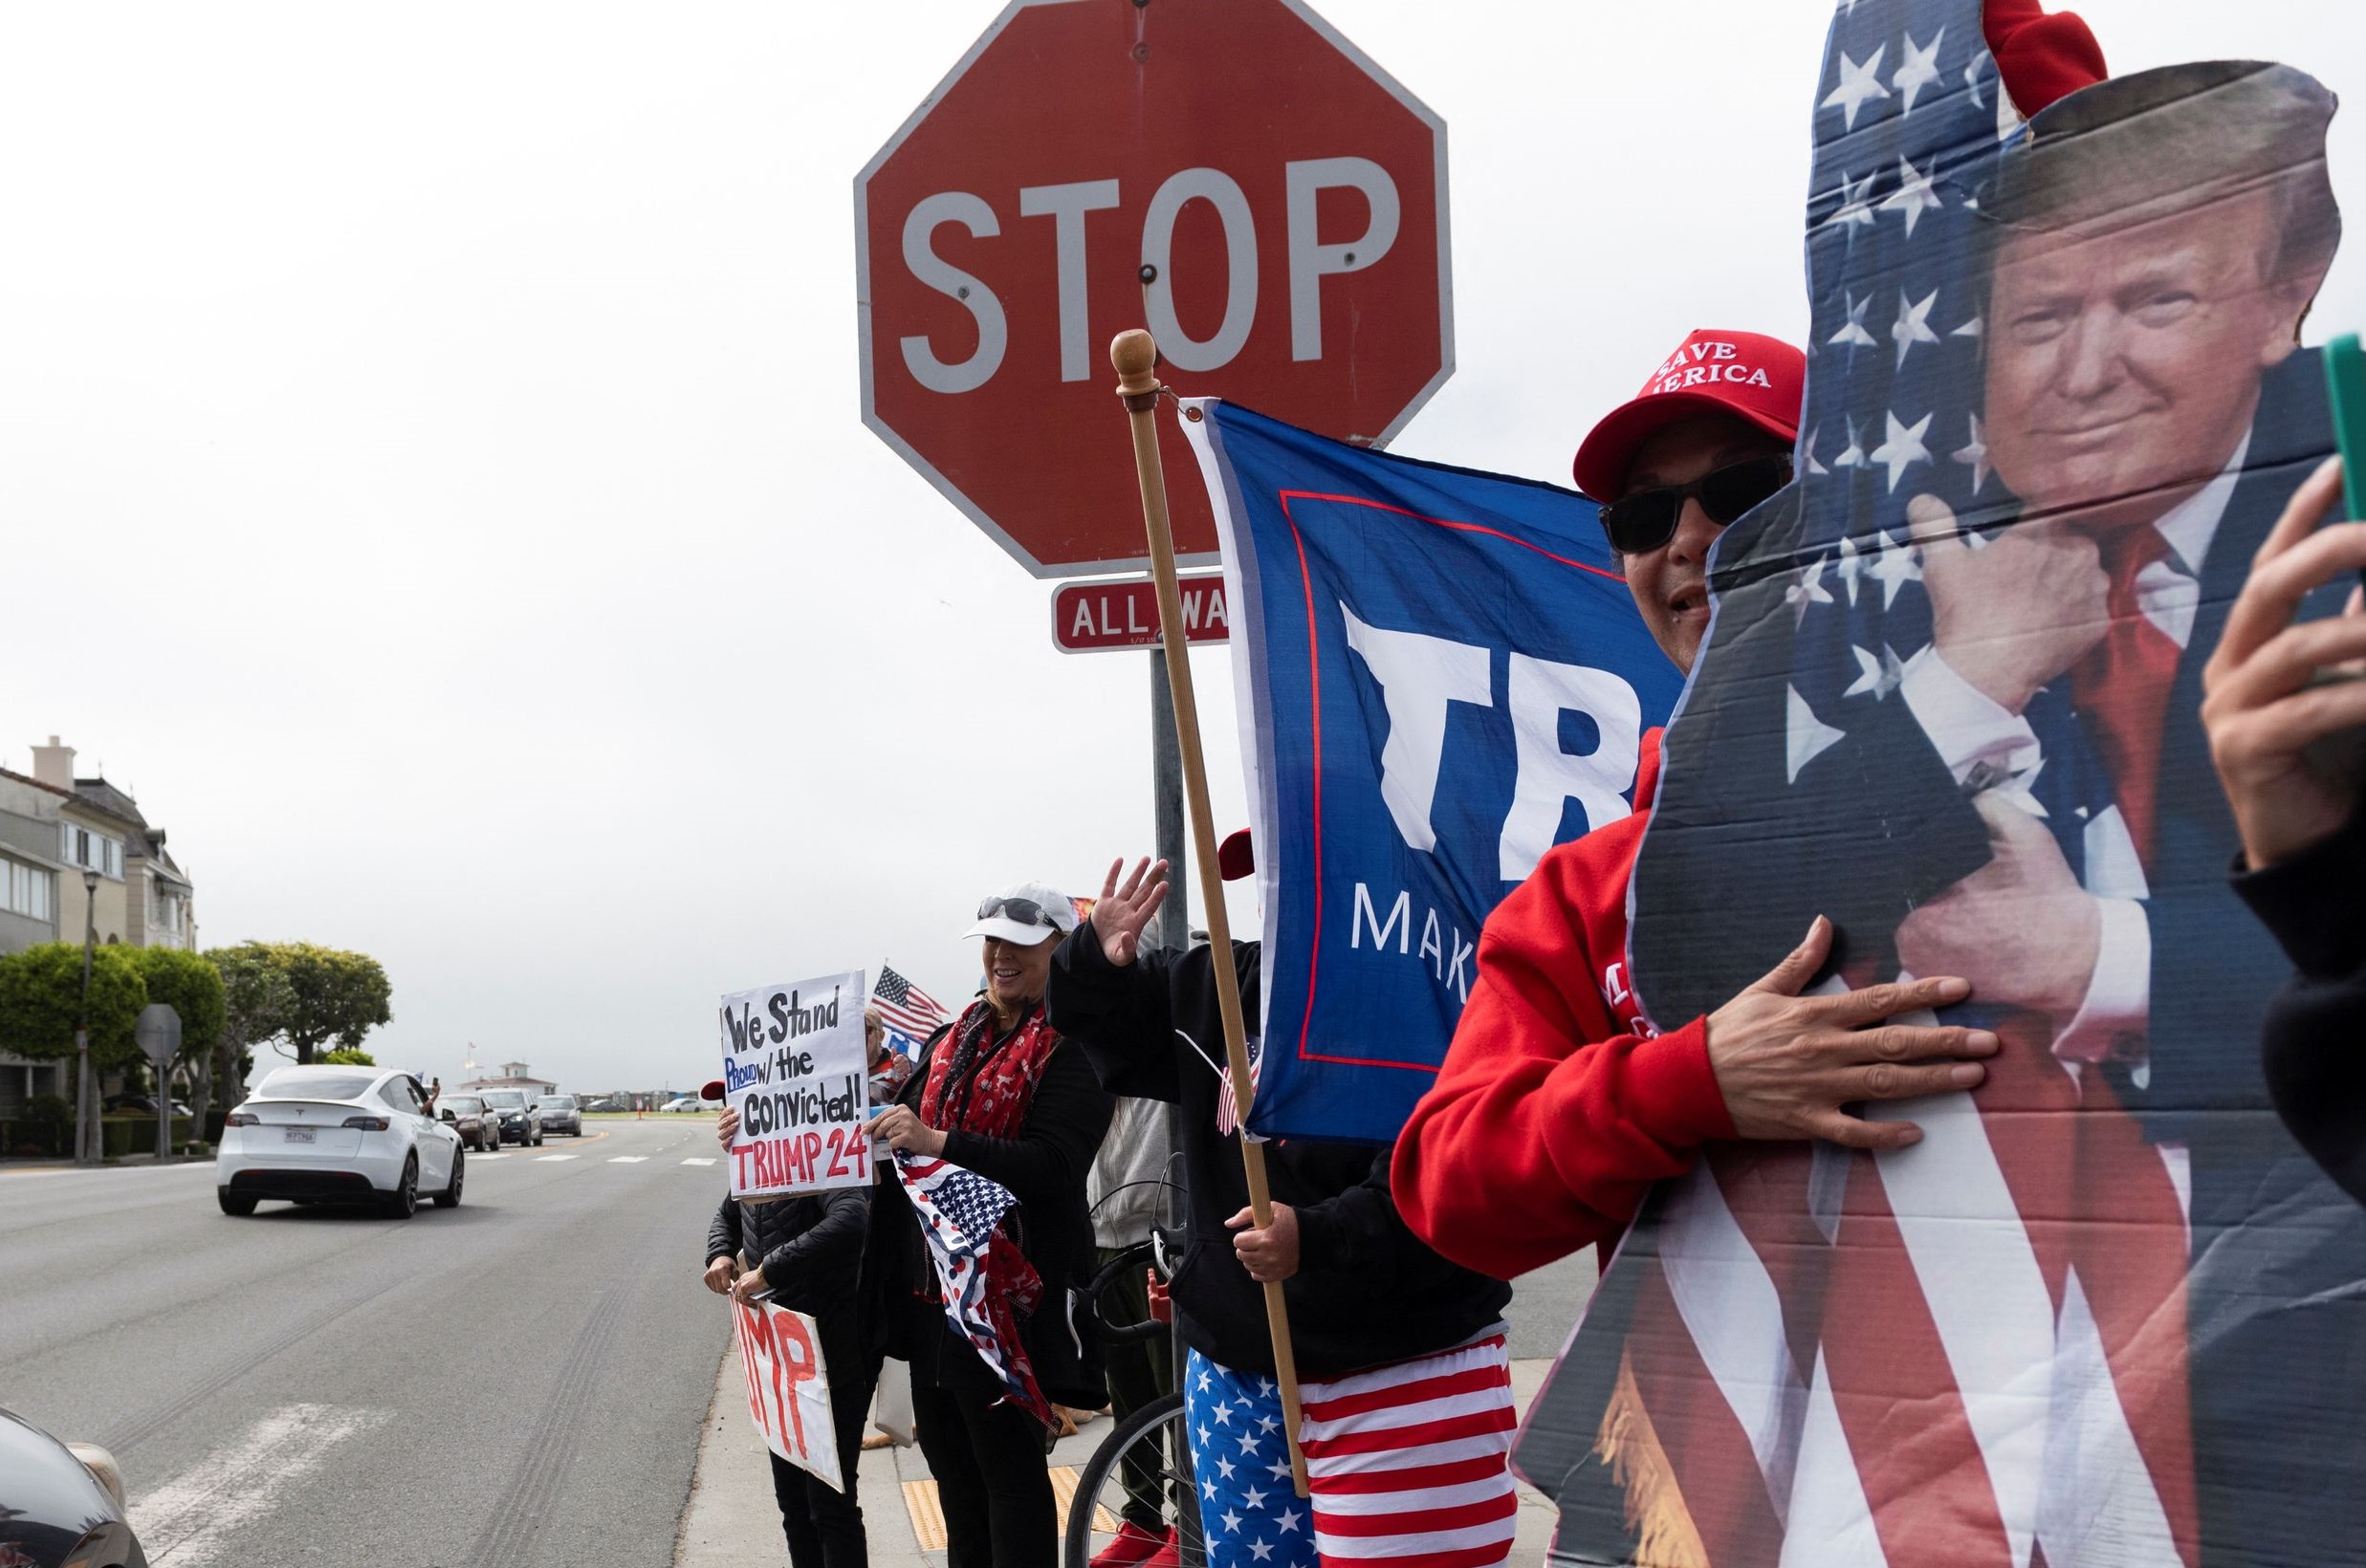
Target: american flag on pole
912,1014
987,1287
1971,1351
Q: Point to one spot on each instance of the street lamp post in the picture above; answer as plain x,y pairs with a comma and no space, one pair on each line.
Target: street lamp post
85,1130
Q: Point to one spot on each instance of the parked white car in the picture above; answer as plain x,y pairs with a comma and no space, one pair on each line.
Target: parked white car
684,1103
338,1135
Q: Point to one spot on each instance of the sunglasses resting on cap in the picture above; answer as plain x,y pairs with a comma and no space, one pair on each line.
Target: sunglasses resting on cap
1025,911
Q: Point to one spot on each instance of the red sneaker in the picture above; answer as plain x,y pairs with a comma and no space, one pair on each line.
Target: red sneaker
1169,1553
1132,1547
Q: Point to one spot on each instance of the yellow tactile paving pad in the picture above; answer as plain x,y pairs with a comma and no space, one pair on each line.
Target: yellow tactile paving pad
928,1514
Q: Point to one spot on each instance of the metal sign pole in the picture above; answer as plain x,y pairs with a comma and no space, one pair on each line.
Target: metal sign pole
1175,916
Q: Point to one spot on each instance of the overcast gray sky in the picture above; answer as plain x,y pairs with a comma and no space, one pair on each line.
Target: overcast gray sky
434,479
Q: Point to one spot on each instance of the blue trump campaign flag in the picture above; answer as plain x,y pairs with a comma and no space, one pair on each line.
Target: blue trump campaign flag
1441,676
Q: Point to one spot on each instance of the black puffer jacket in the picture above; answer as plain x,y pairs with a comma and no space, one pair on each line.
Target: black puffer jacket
1044,1170
1367,1289
810,1248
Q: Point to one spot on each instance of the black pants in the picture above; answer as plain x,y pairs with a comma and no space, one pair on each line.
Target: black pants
991,1479
823,1525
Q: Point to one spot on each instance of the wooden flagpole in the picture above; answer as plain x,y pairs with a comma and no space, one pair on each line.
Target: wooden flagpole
1135,357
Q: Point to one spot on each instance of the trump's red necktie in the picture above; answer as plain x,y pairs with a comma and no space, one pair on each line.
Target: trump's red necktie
2123,685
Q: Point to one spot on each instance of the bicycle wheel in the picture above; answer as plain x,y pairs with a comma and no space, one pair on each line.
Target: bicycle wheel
1153,1449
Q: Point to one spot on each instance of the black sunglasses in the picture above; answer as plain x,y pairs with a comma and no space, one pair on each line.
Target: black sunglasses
1640,523
1025,911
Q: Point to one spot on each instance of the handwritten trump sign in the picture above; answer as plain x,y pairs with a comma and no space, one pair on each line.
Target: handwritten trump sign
793,1065
788,1386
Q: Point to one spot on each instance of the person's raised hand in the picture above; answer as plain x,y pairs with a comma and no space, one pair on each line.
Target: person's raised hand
2021,930
901,1128
727,1128
2265,706
1788,1063
720,1273
1125,907
1269,1253
2012,614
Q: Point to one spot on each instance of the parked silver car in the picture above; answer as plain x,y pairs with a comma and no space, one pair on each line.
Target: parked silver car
560,1114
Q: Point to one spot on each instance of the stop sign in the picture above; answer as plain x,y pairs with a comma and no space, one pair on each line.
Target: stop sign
1231,174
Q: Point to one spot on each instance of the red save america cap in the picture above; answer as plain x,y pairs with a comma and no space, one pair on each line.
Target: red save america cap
1234,857
1754,378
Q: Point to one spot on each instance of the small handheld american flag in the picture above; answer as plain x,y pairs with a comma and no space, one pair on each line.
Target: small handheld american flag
912,1014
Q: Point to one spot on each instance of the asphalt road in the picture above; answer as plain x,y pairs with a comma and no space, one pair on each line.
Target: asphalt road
517,1382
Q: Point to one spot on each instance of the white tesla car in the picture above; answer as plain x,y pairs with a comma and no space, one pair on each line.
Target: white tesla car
338,1135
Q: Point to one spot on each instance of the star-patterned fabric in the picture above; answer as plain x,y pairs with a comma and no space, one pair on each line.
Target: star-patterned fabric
1248,1509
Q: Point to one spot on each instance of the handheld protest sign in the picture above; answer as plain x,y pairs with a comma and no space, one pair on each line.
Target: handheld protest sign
793,1068
788,1386
1949,699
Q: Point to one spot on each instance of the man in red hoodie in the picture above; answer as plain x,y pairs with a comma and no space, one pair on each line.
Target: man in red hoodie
1559,1106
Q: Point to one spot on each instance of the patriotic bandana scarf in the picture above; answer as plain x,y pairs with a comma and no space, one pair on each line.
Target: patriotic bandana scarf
980,1086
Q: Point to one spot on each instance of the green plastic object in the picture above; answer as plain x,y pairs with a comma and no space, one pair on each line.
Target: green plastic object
2345,379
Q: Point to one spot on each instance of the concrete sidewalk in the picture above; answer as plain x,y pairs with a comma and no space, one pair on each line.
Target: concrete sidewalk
731,1513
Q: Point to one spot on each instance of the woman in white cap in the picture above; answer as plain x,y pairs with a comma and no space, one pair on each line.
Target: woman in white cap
996,1092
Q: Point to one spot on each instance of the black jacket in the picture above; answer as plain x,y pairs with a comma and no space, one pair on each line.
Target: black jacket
809,1249
2313,1044
1044,1170
1367,1291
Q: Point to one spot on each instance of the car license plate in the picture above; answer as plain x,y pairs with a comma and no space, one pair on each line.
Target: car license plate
301,1135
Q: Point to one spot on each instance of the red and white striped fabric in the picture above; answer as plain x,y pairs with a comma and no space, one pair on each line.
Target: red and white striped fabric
1409,1464
1968,1353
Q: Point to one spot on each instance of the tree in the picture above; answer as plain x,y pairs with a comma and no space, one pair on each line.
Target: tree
346,1055
302,996
256,1000
337,995
193,987
41,997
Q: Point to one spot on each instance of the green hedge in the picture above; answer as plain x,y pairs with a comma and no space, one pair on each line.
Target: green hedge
38,1139
137,1134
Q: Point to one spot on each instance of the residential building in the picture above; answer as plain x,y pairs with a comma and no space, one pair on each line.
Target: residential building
29,878
53,827
145,898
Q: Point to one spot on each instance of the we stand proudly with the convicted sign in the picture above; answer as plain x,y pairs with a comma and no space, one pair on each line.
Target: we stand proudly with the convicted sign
788,1386
793,1063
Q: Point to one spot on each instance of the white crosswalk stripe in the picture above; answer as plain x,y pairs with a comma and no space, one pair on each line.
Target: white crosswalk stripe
613,1160
187,1521
698,1162
540,1159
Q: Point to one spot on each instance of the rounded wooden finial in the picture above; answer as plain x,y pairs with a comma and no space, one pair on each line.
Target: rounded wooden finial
1135,354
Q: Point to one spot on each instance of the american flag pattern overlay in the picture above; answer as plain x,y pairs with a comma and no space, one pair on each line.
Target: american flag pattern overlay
1971,1352
1409,1464
987,1288
912,1014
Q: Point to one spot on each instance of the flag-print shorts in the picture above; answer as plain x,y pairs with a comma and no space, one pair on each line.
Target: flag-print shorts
1408,1462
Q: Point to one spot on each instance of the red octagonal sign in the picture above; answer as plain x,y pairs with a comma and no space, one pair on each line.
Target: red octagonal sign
1231,174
